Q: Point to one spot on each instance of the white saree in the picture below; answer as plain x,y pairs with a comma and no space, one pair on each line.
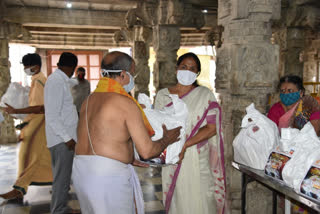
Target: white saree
198,184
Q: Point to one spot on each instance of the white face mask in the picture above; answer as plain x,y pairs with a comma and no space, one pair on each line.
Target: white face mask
130,85
186,77
105,73
28,71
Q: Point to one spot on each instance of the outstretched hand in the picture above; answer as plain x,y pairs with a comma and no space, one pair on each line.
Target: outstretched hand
9,109
170,136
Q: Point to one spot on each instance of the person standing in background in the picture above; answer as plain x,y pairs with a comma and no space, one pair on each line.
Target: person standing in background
61,129
81,90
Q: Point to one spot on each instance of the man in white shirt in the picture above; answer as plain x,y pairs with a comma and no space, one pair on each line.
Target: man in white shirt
61,129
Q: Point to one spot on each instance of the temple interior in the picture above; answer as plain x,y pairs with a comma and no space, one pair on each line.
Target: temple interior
245,46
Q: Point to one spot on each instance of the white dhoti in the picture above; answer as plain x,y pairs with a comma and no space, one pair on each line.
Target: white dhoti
106,186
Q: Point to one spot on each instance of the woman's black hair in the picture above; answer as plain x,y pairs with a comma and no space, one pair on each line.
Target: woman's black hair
296,80
196,59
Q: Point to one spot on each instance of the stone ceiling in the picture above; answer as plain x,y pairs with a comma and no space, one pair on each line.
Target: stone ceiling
91,24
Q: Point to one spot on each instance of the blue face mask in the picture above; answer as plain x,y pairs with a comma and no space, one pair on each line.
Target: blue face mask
289,99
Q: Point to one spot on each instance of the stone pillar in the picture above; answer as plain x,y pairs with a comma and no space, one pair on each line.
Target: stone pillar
142,39
141,57
301,18
139,37
7,131
166,42
295,46
247,72
165,17
310,58
8,31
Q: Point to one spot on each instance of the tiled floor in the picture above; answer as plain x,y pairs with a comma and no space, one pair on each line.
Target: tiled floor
37,200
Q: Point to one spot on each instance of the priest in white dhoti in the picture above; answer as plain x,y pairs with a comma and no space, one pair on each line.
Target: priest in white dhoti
110,120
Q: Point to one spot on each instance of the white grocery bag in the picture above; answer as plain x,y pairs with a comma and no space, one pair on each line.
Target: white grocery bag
17,96
310,185
282,153
172,116
306,147
256,139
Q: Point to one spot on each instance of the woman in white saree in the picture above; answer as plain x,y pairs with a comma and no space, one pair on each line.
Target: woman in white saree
197,183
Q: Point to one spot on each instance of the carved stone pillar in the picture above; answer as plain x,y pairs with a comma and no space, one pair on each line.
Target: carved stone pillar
302,17
295,46
141,57
139,37
247,72
166,42
142,39
7,131
8,31
165,17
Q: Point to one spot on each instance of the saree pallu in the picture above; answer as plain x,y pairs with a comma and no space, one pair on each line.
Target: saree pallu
34,156
198,184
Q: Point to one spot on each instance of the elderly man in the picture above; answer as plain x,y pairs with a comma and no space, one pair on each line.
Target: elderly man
110,121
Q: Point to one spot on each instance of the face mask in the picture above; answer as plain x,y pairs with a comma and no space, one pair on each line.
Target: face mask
130,85
289,99
186,77
105,73
28,71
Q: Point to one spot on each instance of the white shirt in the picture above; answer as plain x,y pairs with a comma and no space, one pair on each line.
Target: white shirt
60,113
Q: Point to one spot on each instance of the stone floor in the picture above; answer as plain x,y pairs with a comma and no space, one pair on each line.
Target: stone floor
37,200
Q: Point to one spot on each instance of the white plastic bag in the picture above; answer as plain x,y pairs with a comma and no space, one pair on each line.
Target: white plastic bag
145,100
282,153
17,96
173,116
307,150
256,139
310,185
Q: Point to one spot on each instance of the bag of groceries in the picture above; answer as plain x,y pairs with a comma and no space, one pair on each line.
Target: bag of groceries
310,185
16,96
302,172
282,153
172,116
256,139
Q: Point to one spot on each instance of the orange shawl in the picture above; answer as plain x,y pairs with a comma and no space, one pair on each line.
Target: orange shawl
106,84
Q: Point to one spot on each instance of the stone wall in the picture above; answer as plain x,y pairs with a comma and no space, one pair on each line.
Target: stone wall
247,72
